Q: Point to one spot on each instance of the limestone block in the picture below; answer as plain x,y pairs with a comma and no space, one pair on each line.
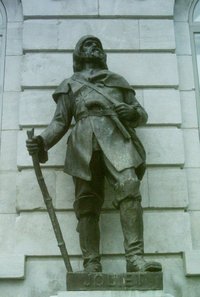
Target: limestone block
163,145
189,109
192,262
169,227
39,34
69,31
157,34
56,154
13,10
10,116
34,234
12,73
181,9
8,154
29,196
167,188
1,41
162,106
192,147
49,272
120,33
137,8
39,69
186,76
193,176
12,266
135,65
182,35
173,279
60,8
1,19
14,39
7,192
36,108
195,221
7,233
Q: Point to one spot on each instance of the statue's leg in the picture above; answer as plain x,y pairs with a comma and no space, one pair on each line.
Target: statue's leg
132,226
128,201
89,199
89,237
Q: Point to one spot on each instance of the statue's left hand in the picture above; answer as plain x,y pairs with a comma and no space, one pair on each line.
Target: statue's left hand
33,145
126,112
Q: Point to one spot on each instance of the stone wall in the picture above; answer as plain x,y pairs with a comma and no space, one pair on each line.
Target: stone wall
142,45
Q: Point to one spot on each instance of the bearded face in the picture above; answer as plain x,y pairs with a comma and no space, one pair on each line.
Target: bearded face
91,50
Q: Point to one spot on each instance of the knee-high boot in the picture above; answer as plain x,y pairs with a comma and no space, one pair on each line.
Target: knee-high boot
89,236
131,216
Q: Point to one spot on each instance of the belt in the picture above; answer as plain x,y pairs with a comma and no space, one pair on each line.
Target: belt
97,113
105,112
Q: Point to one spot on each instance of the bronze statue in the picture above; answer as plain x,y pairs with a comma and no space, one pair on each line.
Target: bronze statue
102,144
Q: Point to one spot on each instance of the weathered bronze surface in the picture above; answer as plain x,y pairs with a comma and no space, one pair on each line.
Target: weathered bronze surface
114,282
102,144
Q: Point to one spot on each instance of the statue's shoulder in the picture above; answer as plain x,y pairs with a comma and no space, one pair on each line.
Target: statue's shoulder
117,80
64,88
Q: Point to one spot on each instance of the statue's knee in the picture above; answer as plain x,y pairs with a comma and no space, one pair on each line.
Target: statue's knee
131,202
87,221
87,207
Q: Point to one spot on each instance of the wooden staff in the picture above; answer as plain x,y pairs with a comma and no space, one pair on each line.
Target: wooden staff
50,208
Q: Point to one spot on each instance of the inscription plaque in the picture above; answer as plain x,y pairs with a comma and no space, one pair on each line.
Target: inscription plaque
141,281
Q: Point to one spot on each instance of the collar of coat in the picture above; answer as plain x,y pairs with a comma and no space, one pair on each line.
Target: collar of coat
104,77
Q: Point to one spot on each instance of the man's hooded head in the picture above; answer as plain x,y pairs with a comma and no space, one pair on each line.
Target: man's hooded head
89,49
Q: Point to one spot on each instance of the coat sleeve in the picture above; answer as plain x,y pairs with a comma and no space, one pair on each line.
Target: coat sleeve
141,115
58,127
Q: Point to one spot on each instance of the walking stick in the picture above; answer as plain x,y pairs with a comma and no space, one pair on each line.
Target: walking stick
50,208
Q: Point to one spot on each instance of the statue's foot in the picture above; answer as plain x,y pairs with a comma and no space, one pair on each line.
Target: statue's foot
138,264
92,268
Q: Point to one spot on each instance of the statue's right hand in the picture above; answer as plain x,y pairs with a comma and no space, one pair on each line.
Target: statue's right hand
32,145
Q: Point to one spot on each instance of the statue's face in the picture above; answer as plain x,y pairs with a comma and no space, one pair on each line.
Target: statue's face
91,50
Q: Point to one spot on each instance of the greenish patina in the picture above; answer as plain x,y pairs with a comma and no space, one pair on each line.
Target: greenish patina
102,144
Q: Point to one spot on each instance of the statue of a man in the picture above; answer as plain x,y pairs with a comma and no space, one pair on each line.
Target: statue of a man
102,144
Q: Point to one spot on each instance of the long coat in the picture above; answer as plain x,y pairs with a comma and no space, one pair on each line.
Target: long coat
72,98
